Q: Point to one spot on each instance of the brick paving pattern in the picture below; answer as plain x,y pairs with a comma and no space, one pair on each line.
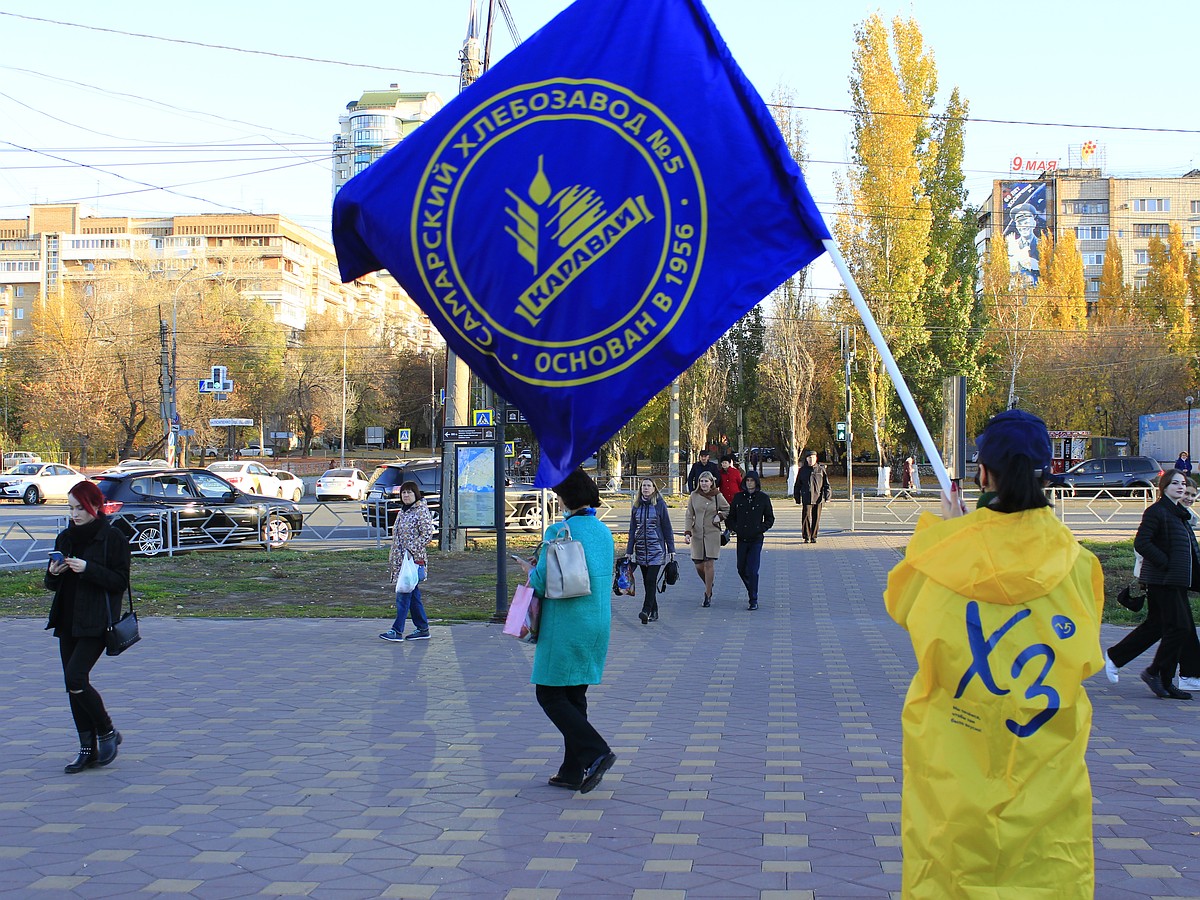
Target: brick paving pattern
759,757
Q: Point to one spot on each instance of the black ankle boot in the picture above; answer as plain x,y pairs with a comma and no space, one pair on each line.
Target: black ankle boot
106,747
87,754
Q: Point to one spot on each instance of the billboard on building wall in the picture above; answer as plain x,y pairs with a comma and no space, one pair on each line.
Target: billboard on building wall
1025,205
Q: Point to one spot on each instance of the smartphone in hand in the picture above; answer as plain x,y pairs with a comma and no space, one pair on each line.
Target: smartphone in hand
57,557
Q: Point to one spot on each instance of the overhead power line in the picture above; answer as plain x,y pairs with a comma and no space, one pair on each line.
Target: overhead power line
170,40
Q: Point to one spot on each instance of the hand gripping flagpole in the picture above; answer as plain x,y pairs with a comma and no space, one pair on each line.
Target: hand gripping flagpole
889,361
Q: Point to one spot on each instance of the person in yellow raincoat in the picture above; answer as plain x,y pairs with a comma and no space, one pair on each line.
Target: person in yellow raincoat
1003,608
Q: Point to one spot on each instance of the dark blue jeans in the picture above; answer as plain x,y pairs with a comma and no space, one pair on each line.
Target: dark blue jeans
749,555
405,603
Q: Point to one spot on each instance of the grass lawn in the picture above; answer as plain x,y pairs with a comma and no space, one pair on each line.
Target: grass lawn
252,583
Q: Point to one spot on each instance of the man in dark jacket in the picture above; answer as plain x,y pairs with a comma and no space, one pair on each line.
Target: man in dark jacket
704,465
750,517
812,490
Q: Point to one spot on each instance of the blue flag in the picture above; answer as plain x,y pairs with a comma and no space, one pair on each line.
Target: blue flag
584,221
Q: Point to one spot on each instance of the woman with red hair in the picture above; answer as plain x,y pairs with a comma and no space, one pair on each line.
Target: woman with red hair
89,573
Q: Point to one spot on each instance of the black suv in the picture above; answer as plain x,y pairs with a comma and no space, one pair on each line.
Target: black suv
1113,474
382,503
161,509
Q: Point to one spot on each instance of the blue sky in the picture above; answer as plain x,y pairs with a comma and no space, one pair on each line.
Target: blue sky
249,131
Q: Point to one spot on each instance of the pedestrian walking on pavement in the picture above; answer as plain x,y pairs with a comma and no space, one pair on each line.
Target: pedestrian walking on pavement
651,543
730,481
411,534
750,518
1170,566
811,491
703,525
705,464
1189,654
572,642
89,576
1003,609
1183,463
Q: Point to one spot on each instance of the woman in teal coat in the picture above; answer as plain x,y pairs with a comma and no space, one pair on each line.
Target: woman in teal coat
572,639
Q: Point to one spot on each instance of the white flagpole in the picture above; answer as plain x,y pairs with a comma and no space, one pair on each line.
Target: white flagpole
889,362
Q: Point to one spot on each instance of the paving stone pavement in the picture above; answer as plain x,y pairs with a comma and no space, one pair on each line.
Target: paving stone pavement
759,756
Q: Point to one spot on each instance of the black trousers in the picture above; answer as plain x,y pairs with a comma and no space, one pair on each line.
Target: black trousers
650,588
566,707
1167,619
1189,654
810,521
79,656
749,556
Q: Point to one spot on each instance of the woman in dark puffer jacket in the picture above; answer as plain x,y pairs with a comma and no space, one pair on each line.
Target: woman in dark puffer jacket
89,585
651,543
1170,563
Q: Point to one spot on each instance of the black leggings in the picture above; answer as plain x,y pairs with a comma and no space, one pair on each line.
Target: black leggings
650,586
79,656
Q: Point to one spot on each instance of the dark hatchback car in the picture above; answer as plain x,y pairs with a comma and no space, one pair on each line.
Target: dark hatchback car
382,503
1113,474
161,509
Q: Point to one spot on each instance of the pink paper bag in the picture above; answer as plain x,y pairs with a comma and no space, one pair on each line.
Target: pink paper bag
522,619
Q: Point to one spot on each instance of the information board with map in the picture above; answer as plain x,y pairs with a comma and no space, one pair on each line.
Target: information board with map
475,466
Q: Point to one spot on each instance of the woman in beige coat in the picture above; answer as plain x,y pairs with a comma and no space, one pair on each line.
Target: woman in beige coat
703,523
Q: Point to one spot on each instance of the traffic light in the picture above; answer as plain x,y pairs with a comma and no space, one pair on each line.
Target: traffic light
841,431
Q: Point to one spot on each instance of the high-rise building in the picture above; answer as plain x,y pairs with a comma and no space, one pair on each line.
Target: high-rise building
265,256
1094,207
374,124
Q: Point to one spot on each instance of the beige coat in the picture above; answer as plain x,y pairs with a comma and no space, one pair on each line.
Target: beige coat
698,522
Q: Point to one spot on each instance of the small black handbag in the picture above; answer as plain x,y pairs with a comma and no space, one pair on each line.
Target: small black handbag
1131,601
122,634
671,573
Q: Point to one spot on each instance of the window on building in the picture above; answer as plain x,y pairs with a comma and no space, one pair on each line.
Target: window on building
1196,232
1091,232
1152,229
1196,207
1151,204
1085,207
1141,257
20,313
1093,259
19,291
1139,283
1093,286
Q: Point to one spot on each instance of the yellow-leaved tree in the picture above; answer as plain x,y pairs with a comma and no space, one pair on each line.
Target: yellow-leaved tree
884,224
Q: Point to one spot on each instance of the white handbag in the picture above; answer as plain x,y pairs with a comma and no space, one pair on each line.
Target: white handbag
566,567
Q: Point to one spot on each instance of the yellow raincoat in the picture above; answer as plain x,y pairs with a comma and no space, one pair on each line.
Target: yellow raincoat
1004,615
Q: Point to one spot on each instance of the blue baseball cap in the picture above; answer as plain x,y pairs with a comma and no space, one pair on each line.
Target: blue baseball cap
1011,432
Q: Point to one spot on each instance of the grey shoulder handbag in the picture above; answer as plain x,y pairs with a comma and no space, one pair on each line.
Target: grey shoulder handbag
566,567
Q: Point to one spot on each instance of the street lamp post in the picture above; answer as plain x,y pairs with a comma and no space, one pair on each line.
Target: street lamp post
1189,400
345,334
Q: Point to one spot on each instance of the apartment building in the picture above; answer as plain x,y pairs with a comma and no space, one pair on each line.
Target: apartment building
1094,207
265,256
373,124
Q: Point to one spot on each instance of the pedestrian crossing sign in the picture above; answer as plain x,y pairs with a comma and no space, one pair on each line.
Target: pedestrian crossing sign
510,448
481,417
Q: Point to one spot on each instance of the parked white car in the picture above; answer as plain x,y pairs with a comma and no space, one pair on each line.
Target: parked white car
34,483
347,484
251,477
256,450
293,486
16,457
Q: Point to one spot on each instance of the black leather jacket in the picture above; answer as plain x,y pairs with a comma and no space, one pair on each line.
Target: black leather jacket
1167,544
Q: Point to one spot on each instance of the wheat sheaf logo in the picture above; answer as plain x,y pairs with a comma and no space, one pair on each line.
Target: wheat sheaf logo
560,228
573,222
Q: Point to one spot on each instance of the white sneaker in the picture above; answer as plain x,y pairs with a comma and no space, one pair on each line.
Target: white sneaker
1189,684
1111,670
